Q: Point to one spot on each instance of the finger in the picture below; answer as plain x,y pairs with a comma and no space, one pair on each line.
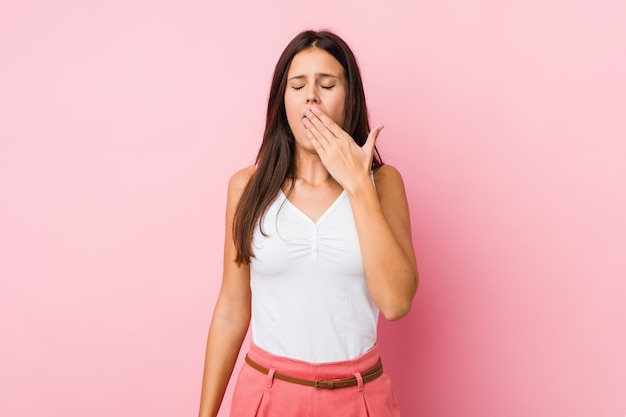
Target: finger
371,139
317,145
325,124
317,123
314,131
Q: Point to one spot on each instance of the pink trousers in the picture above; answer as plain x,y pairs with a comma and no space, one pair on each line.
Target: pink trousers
260,395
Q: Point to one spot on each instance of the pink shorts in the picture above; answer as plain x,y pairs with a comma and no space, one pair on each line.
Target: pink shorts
257,394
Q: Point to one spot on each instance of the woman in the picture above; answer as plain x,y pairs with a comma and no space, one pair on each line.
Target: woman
318,242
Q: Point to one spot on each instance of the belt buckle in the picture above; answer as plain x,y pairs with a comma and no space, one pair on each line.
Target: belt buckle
324,384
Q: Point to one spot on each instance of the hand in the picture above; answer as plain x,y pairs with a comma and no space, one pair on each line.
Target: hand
346,161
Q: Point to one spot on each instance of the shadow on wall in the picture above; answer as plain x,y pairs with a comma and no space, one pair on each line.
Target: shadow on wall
402,342
415,349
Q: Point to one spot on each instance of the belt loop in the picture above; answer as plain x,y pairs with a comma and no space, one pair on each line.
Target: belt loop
359,380
269,379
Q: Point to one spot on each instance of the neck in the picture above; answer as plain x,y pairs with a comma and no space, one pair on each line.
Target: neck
310,169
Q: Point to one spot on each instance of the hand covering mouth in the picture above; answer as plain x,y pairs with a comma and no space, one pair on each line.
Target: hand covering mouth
308,109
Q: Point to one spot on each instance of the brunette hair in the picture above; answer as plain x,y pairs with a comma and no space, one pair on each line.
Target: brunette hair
276,158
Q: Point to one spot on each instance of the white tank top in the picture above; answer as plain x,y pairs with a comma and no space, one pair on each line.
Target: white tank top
310,300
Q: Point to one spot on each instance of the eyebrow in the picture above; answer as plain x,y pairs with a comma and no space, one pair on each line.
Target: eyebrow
317,74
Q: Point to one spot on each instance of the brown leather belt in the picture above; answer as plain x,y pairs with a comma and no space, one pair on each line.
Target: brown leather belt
369,375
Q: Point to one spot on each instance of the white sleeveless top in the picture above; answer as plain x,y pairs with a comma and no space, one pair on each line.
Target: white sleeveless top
310,300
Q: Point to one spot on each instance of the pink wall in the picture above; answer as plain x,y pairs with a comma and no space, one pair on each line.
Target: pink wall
120,124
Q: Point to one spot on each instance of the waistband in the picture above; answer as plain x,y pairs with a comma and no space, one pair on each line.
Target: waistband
307,370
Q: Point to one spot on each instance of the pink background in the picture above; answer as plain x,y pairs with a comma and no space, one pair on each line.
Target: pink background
121,122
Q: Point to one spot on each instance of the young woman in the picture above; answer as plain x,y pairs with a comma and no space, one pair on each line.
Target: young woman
318,242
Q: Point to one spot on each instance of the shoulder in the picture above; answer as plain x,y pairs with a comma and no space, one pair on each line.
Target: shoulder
394,202
240,179
388,180
237,184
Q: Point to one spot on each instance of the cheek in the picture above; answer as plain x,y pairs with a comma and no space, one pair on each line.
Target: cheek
339,113
337,108
294,114
290,109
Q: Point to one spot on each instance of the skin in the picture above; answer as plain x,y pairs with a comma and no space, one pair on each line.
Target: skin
328,161
315,80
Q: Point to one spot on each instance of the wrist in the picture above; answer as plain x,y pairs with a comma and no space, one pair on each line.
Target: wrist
359,186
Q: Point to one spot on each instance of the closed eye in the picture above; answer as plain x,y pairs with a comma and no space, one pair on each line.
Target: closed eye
327,87
298,88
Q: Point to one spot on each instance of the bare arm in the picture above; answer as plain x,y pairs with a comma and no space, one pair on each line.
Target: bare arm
381,214
231,316
382,220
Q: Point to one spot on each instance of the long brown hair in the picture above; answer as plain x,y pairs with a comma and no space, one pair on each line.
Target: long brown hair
276,158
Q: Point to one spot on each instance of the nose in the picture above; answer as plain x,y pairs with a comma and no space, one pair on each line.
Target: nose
312,96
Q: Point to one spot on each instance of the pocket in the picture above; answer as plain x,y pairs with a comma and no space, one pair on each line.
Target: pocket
380,398
248,393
